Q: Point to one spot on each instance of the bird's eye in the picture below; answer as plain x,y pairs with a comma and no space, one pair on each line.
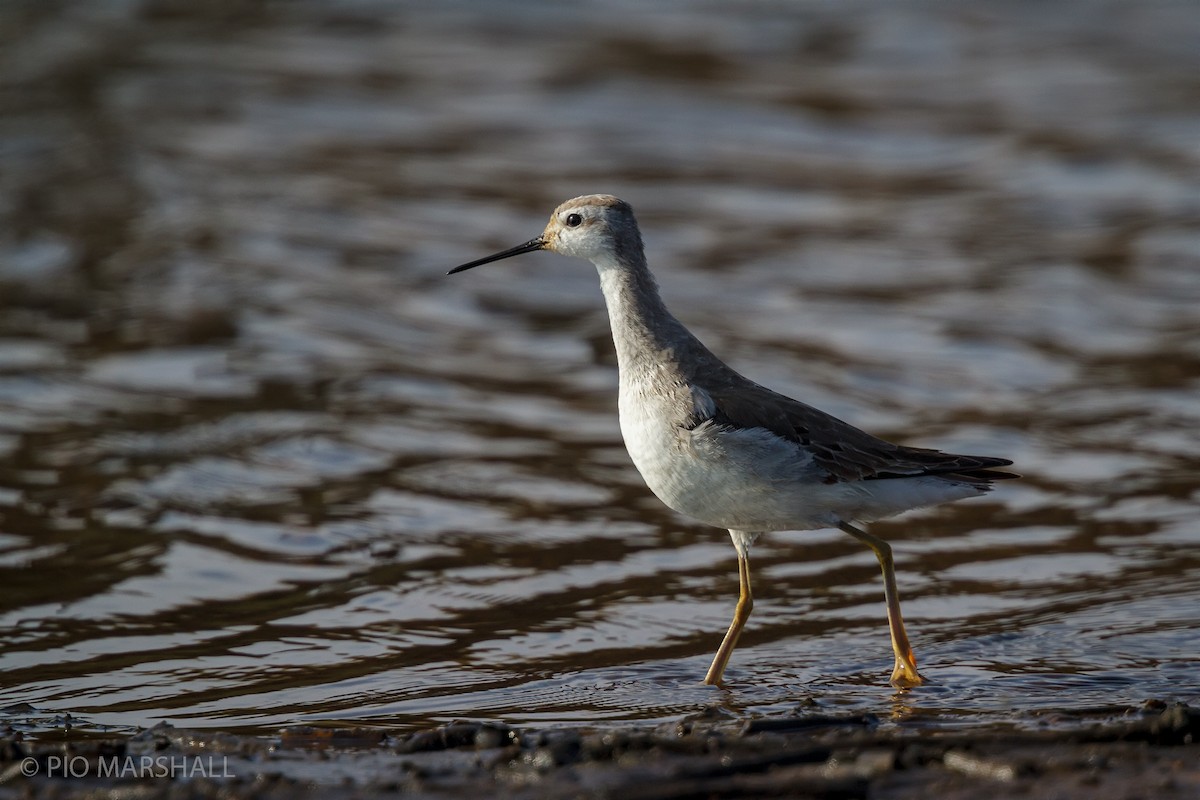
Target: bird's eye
574,220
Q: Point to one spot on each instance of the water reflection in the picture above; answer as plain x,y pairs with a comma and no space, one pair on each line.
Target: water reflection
260,463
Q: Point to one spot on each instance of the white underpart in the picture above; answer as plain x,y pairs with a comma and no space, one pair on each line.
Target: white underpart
753,480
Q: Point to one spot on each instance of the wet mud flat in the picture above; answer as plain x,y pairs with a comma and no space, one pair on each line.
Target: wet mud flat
1113,752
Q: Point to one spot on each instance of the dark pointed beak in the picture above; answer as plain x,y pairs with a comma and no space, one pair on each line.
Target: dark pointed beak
528,247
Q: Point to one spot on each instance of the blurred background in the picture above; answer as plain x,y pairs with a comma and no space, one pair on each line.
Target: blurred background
262,462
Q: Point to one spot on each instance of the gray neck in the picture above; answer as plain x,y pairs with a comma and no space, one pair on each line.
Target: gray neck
648,338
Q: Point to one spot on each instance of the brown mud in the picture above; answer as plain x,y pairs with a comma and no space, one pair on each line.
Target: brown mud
1150,751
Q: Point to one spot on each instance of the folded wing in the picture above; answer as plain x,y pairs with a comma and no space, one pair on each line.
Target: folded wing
843,451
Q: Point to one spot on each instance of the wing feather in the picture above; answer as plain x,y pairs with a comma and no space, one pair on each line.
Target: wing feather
842,450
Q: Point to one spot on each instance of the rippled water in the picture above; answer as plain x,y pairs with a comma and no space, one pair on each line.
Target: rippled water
261,462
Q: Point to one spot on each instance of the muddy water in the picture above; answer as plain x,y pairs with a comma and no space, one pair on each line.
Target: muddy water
261,462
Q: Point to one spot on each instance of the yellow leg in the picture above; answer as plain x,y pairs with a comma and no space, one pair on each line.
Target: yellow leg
740,615
905,674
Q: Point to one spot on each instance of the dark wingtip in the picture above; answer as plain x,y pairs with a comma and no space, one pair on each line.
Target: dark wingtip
980,470
983,475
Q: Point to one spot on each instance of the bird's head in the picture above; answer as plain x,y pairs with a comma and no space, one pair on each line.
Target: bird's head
597,227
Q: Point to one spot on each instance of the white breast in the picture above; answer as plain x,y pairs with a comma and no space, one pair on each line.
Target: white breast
748,480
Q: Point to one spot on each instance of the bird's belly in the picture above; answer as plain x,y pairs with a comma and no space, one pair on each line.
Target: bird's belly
748,480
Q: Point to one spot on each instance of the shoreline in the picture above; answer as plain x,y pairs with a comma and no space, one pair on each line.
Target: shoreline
1107,752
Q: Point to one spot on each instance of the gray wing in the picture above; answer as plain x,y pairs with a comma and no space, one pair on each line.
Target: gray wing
843,451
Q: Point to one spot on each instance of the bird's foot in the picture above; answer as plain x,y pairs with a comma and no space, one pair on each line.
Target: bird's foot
905,676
